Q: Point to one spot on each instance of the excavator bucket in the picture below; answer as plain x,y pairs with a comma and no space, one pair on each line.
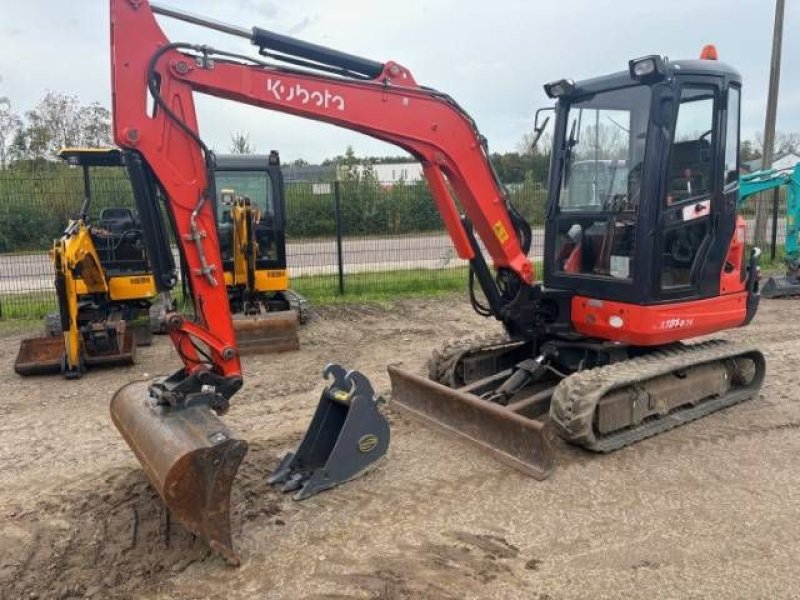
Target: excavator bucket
515,435
347,435
190,457
45,355
265,333
781,286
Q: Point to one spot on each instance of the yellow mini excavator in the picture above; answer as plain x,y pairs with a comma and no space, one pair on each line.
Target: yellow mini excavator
250,213
107,297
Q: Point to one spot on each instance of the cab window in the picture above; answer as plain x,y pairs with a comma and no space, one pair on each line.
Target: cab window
689,186
732,139
253,184
689,174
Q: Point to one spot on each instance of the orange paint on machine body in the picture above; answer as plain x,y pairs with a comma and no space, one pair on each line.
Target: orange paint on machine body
655,325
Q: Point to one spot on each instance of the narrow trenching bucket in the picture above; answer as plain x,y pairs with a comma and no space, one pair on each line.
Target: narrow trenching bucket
509,433
267,333
190,457
347,435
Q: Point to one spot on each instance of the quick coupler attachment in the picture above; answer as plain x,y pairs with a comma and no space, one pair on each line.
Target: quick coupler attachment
347,435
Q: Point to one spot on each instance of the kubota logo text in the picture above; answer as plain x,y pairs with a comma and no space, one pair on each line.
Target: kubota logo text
297,94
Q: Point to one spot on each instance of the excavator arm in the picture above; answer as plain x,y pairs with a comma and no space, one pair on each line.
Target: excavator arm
171,424
381,100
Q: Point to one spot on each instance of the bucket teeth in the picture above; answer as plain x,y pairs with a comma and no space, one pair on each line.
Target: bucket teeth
347,435
190,457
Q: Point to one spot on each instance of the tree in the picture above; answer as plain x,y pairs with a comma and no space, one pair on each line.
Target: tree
240,143
542,146
18,148
10,125
748,151
785,142
53,124
300,162
347,166
94,121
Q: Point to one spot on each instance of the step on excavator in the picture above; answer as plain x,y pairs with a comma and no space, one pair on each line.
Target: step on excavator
644,249
251,223
107,299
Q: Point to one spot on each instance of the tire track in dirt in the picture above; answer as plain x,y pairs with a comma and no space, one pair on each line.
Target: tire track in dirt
437,569
116,536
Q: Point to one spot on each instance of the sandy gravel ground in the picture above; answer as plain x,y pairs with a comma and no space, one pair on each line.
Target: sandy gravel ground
709,510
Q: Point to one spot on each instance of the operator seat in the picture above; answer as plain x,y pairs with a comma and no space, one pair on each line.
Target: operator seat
117,219
689,173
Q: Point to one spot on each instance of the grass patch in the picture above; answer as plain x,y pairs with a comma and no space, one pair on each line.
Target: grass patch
319,290
771,265
28,307
381,287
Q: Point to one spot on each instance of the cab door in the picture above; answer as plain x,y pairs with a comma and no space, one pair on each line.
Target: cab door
690,243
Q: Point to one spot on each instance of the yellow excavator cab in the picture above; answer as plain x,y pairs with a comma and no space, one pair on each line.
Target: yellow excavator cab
251,220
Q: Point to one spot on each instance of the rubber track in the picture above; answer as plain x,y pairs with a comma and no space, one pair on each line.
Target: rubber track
443,361
575,398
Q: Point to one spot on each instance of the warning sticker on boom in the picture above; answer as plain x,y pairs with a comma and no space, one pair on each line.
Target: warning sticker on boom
500,232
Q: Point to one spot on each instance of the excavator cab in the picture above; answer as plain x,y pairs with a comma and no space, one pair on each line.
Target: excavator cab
104,288
643,190
251,225
643,248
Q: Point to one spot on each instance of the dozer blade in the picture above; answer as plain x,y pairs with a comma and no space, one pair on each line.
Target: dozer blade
347,435
45,355
267,333
190,457
781,287
511,438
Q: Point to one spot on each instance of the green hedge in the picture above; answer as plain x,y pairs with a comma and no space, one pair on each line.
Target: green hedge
35,205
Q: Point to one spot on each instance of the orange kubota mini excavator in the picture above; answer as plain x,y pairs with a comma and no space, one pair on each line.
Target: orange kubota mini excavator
644,248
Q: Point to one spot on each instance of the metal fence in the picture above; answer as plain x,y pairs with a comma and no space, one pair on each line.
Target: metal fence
362,238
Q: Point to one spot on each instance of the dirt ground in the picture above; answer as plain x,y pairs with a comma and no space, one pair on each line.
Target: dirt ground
709,510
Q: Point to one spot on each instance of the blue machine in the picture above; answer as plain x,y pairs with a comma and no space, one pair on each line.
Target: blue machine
760,181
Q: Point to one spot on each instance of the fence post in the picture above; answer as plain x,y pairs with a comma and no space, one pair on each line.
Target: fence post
337,211
775,200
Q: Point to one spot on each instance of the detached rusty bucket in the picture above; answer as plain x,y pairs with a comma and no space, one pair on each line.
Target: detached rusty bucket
267,333
190,457
516,435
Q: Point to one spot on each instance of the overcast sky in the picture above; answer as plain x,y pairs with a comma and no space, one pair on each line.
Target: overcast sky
493,57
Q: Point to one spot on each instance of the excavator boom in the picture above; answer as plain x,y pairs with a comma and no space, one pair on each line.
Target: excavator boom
162,143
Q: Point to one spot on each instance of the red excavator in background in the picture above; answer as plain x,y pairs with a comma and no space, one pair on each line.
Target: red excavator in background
644,248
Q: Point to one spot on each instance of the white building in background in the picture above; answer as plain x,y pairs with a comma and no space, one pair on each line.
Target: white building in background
392,173
780,162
